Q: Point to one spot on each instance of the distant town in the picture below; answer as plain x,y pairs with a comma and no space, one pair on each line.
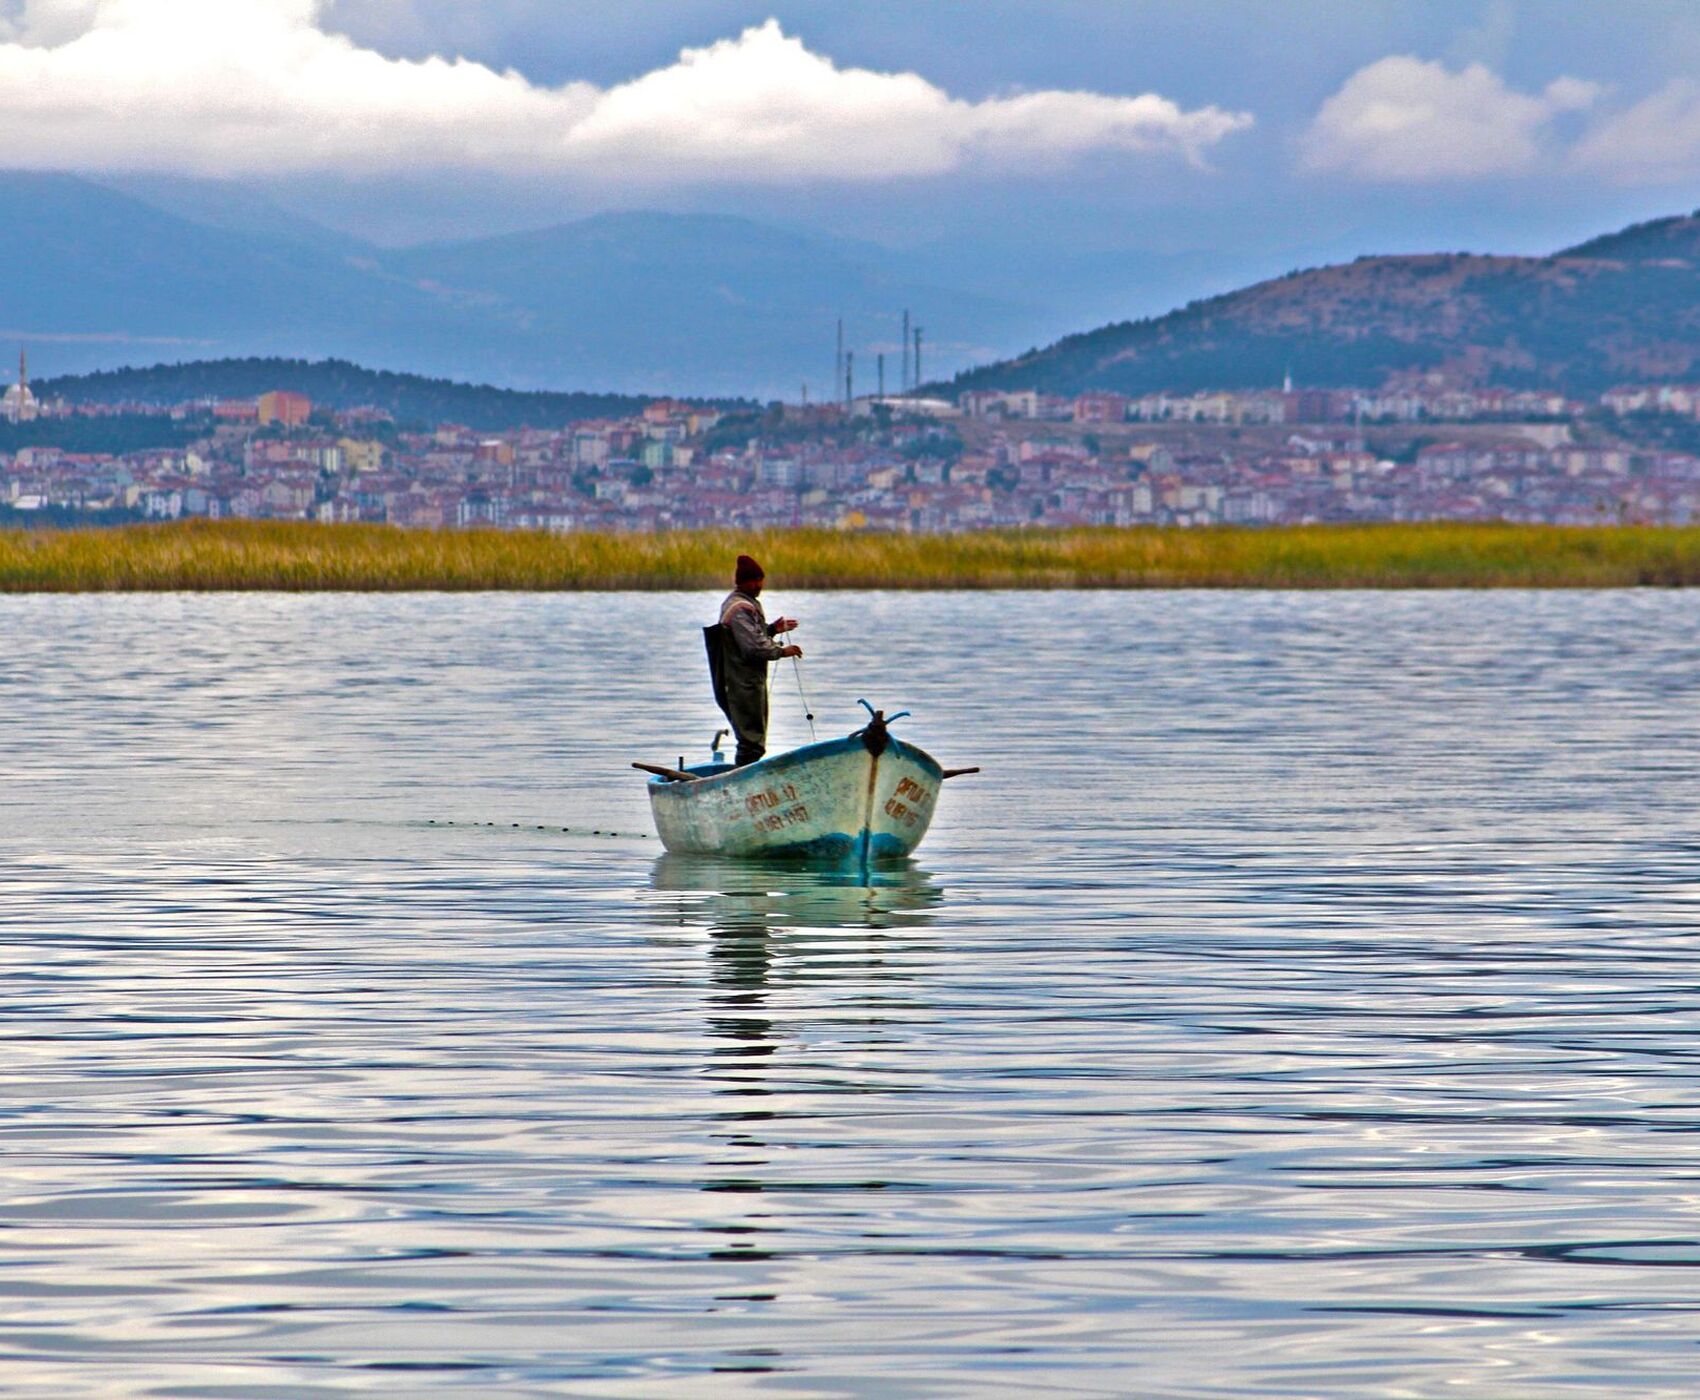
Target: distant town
1421,450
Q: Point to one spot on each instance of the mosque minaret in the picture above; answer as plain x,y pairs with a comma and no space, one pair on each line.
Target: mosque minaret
19,404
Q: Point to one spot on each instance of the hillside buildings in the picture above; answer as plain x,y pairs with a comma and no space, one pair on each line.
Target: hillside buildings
1004,461
284,408
1416,404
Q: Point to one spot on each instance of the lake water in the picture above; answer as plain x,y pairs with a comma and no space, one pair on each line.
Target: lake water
1303,1003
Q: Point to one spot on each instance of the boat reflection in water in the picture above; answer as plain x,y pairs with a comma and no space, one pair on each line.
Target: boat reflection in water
783,924
806,968
743,897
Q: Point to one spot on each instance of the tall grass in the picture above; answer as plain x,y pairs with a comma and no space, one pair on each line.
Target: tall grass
229,555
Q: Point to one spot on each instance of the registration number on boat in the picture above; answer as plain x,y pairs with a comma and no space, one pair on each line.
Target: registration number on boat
775,808
908,802
760,802
778,821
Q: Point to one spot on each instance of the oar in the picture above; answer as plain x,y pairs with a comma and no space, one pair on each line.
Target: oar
674,775
959,772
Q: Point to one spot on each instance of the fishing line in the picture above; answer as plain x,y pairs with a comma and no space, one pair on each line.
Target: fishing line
808,709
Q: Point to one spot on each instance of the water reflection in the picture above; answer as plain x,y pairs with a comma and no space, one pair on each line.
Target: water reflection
764,975
740,898
756,912
1316,968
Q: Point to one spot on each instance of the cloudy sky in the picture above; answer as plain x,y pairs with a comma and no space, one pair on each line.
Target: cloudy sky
1219,139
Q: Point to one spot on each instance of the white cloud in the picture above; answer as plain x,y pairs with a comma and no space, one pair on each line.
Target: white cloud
47,21
1405,120
234,87
1657,140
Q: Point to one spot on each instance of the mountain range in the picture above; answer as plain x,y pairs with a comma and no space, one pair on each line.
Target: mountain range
1624,306
165,269
154,270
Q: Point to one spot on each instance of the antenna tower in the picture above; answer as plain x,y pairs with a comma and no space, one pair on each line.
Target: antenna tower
917,357
849,377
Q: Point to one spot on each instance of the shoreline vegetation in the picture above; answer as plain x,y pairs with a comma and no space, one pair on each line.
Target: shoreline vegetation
227,556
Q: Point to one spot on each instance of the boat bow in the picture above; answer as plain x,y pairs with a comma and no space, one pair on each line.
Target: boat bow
865,798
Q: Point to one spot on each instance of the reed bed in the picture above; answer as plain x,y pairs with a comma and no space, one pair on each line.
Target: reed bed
299,557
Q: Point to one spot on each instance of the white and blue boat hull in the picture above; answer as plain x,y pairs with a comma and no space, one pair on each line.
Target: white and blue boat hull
869,797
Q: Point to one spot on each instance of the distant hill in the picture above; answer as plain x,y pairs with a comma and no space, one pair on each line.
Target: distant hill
637,303
1623,306
650,303
337,384
102,278
733,298
234,208
1677,236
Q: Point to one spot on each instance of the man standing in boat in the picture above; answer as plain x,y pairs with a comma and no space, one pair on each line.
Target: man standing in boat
746,649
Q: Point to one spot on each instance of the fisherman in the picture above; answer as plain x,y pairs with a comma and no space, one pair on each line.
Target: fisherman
747,646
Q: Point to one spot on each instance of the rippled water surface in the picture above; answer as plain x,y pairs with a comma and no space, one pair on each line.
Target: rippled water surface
1303,1003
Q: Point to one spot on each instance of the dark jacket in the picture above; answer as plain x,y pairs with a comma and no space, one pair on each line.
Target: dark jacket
746,648
750,644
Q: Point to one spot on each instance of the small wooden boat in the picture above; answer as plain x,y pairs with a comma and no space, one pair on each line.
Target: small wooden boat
868,797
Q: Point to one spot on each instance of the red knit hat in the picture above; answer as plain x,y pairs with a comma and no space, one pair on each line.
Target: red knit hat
748,570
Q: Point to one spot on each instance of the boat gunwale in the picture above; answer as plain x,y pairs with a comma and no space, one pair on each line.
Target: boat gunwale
826,748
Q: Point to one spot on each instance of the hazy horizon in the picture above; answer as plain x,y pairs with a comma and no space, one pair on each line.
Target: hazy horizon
1233,137
1044,168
